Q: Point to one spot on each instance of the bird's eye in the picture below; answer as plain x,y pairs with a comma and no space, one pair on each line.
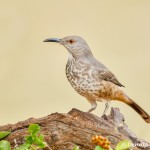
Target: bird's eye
71,41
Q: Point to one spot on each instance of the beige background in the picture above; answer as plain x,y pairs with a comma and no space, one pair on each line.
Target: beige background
32,73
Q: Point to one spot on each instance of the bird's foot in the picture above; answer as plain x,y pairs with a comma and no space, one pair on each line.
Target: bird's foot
106,108
93,105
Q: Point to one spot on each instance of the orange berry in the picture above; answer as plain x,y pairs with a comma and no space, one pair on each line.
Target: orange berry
96,137
105,146
102,140
99,137
100,143
109,143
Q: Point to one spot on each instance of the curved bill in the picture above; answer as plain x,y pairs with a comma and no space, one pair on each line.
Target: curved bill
52,40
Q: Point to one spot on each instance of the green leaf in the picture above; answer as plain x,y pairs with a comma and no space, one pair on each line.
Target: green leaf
33,141
99,148
33,129
23,147
38,142
41,137
28,139
76,148
41,145
125,144
4,145
4,134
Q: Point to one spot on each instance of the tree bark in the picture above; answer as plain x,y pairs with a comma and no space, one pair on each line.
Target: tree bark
64,131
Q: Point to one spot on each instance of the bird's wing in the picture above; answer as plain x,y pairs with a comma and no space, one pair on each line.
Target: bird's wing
108,76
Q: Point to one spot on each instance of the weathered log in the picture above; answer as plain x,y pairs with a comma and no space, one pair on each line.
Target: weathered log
64,131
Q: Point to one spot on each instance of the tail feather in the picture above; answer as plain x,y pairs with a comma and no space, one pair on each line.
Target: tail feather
139,110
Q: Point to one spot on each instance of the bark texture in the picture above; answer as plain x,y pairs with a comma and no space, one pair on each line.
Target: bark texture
64,131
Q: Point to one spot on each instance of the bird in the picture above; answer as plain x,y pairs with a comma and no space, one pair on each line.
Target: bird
92,79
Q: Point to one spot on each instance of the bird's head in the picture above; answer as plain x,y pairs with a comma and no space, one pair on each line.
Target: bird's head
76,45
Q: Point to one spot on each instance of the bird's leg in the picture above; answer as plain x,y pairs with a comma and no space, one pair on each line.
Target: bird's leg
93,105
106,107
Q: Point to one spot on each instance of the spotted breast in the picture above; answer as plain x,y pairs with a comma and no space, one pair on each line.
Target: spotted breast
80,77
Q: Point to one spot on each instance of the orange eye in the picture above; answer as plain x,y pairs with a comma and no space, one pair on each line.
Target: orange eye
71,41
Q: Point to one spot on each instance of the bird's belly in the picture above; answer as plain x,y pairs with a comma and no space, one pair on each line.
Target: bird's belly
91,88
85,85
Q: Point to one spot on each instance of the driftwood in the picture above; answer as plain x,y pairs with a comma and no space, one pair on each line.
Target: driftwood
64,131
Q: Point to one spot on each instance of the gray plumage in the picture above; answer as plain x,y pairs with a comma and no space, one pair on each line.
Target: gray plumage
90,78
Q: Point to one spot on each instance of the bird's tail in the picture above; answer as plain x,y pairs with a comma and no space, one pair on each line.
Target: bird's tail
138,109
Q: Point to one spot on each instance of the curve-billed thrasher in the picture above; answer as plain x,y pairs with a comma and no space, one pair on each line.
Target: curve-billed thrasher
92,79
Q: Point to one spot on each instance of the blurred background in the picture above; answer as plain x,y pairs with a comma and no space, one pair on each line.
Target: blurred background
32,73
